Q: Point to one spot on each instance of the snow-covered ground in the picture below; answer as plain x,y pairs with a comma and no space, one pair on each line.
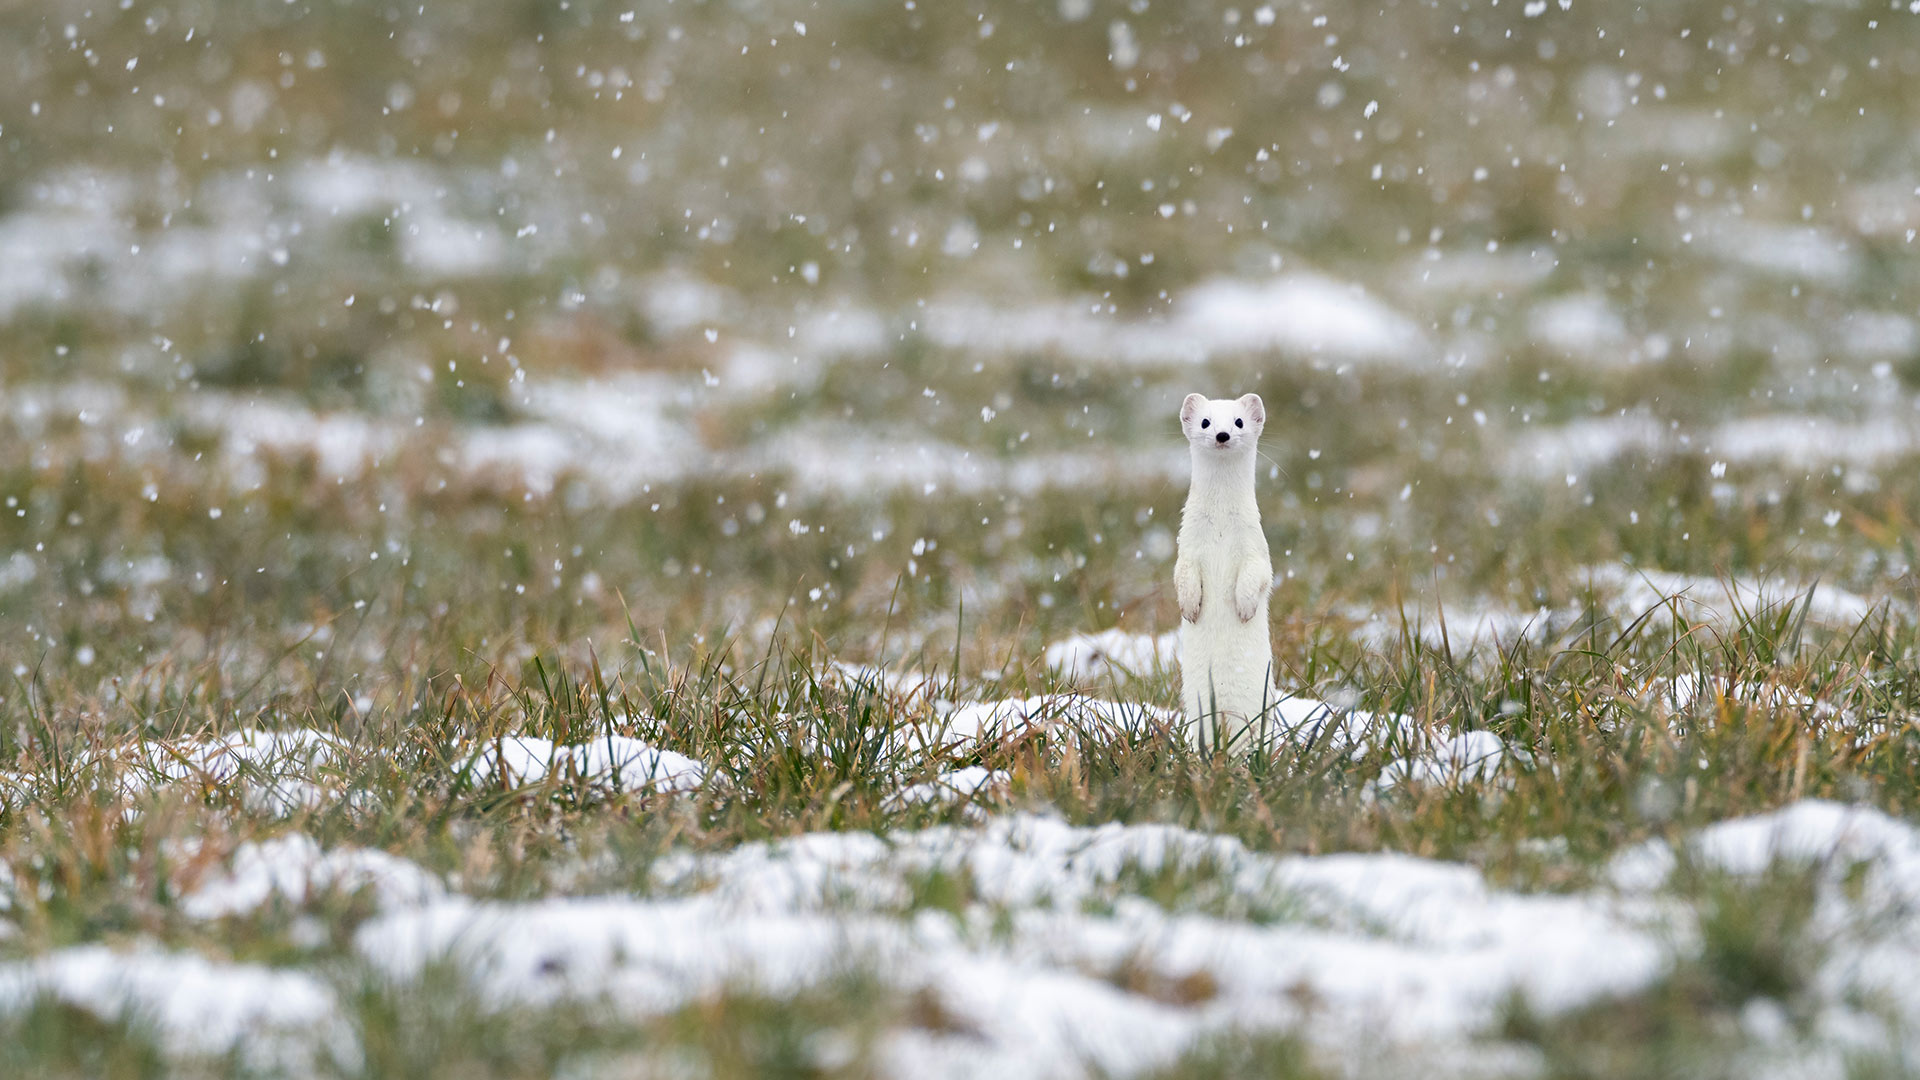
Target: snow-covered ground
1628,595
1053,961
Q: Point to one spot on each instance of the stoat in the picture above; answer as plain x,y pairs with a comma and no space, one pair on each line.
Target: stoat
1223,576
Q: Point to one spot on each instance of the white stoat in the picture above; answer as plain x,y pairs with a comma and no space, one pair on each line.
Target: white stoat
1223,576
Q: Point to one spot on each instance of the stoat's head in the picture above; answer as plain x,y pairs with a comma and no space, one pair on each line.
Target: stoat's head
1222,425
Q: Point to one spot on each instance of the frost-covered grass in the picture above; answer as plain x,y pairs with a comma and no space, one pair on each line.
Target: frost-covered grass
557,540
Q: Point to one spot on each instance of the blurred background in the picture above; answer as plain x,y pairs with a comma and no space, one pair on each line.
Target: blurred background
500,328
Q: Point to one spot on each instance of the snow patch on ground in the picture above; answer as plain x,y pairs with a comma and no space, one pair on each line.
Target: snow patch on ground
990,721
1293,724
1790,252
831,459
274,1017
613,762
1297,313
276,772
293,870
18,571
1635,592
1584,325
960,785
1084,658
282,772
1461,627
1301,314
1627,594
1039,963
619,436
1580,446
1471,757
344,444
1812,832
1784,440
1056,957
1816,442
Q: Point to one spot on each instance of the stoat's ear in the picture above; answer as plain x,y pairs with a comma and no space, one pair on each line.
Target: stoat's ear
1255,409
1190,408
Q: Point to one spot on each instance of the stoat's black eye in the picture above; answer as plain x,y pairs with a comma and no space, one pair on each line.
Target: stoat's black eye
1205,423
1239,423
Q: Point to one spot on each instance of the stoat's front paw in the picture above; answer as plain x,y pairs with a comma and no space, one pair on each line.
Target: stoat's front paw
1186,589
1246,607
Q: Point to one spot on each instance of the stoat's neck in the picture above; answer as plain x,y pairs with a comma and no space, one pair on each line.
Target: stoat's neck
1223,480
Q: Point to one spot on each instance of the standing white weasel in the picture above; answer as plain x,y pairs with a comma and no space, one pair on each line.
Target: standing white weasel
1223,575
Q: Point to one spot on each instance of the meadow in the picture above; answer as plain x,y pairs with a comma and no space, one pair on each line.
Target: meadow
601,540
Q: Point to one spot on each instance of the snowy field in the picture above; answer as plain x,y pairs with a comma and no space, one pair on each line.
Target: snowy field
635,540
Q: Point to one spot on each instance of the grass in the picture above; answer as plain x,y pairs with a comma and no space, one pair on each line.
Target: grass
1266,1057
51,1039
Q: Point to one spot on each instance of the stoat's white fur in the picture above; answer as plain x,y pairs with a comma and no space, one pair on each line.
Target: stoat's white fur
1223,576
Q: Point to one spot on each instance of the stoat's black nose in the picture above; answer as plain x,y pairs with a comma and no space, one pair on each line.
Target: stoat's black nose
1222,437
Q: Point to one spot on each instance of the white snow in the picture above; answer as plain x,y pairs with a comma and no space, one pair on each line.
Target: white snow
1461,627
1879,335
1405,952
1301,313
432,238
1292,722
343,444
972,782
293,869
621,435
280,772
345,185
987,721
274,1016
843,329
444,246
677,302
1811,832
829,458
18,571
1816,442
1790,252
1055,960
72,219
1471,757
273,771
1627,593
1579,446
1683,692
46,255
77,238
1583,325
1635,591
1083,658
605,761
1797,441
